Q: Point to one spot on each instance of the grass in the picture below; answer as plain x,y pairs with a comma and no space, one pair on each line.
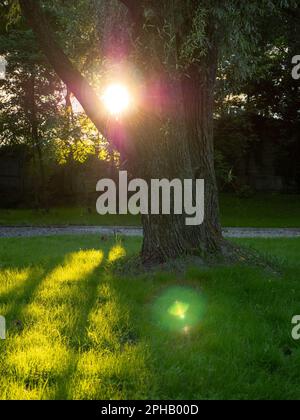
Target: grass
76,331
260,211
63,216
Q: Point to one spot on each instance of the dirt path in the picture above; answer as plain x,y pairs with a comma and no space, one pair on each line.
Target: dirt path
15,232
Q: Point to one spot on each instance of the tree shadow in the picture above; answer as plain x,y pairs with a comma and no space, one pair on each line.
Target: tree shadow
60,327
78,339
21,295
106,356
42,306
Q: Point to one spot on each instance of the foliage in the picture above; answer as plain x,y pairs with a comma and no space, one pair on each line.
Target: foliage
65,135
28,79
264,104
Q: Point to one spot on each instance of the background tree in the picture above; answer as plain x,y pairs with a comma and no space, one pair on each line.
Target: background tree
30,97
36,107
263,105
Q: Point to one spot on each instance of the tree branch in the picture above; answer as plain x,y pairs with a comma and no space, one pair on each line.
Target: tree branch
64,68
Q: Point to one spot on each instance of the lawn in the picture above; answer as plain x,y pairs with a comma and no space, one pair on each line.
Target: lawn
77,331
266,211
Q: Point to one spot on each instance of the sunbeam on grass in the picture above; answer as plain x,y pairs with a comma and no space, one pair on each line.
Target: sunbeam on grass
78,331
116,253
40,354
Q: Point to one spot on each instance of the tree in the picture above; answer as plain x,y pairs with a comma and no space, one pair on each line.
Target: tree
35,108
177,47
30,96
262,106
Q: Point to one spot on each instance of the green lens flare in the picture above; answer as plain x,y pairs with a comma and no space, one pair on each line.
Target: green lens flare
179,309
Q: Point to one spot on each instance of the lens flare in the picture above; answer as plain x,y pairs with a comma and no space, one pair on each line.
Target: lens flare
186,329
179,309
116,99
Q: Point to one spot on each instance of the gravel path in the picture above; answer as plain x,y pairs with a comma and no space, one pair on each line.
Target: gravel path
15,232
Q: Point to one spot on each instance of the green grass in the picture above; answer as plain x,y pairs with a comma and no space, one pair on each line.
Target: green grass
63,216
259,211
77,331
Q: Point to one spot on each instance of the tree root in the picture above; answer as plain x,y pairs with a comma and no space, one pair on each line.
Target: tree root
230,255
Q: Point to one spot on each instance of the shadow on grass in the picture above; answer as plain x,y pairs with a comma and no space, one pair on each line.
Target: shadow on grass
50,308
21,295
92,335
55,310
78,342
104,360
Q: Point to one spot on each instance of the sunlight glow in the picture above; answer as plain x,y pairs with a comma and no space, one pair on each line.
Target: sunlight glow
116,99
179,309
116,253
52,323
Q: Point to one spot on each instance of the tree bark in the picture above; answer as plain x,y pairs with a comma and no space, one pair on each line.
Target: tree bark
198,91
186,152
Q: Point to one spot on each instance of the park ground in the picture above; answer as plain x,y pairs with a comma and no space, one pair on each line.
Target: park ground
79,326
259,211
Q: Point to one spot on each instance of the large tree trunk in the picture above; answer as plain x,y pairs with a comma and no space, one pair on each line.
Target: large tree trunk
185,152
167,236
199,90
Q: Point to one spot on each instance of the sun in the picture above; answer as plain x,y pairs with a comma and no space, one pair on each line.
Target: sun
116,99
